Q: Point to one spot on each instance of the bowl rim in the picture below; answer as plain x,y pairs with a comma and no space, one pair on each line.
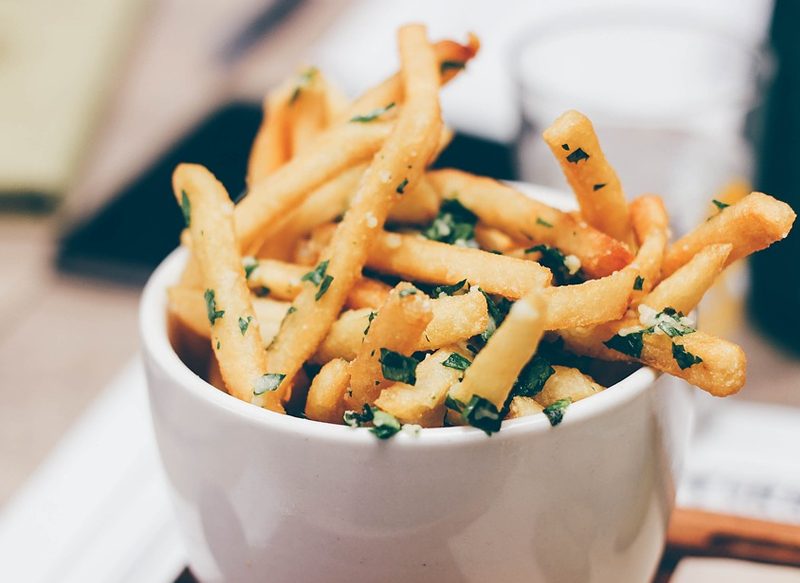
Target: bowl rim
159,351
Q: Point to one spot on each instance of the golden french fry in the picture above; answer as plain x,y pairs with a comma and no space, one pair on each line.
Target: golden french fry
591,302
423,402
524,219
269,201
455,318
721,371
522,407
575,145
308,110
325,401
235,336
567,383
451,58
271,147
214,375
399,323
684,289
496,367
401,160
754,223
648,214
494,240
448,264
417,206
283,281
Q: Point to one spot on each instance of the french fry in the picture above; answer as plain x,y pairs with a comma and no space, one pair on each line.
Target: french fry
325,400
721,372
401,160
417,206
496,367
494,240
522,407
591,302
684,289
397,327
567,383
423,402
308,110
575,145
283,281
448,54
271,147
309,250
754,223
648,215
527,220
269,201
455,318
235,336
215,376
497,274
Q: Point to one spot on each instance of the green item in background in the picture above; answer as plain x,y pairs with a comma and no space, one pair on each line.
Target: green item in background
775,295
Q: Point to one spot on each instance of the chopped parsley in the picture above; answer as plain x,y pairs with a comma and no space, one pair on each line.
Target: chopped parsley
456,361
291,310
396,367
638,283
683,357
630,344
541,221
497,313
479,412
261,291
720,205
451,65
317,274
532,378
323,287
555,411
370,318
554,260
244,323
304,80
186,208
372,115
672,323
565,147
218,345
356,419
249,264
401,188
598,186
455,224
211,307
268,383
409,291
577,156
384,425
448,290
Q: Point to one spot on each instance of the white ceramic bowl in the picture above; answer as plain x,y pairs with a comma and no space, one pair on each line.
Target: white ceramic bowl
262,496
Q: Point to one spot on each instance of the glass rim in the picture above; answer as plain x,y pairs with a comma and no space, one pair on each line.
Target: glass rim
759,57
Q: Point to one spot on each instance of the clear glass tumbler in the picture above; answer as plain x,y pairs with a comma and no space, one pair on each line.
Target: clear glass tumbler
672,102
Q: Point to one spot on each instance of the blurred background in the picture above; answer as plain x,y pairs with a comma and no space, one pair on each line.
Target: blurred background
99,99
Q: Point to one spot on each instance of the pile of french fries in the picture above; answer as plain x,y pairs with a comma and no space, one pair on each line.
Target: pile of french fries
354,285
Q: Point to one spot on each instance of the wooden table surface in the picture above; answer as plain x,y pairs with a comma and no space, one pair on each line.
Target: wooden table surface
63,338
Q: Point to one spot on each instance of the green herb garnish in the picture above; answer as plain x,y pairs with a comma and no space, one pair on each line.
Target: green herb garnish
186,208
370,318
577,156
456,361
397,367
261,291
409,291
268,383
384,425
555,411
291,310
244,323
554,260
720,205
356,419
630,344
638,283
597,187
673,323
317,274
372,115
448,290
401,188
451,65
481,413
565,147
683,357
211,307
541,221
249,264
532,378
323,287
304,79
455,224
